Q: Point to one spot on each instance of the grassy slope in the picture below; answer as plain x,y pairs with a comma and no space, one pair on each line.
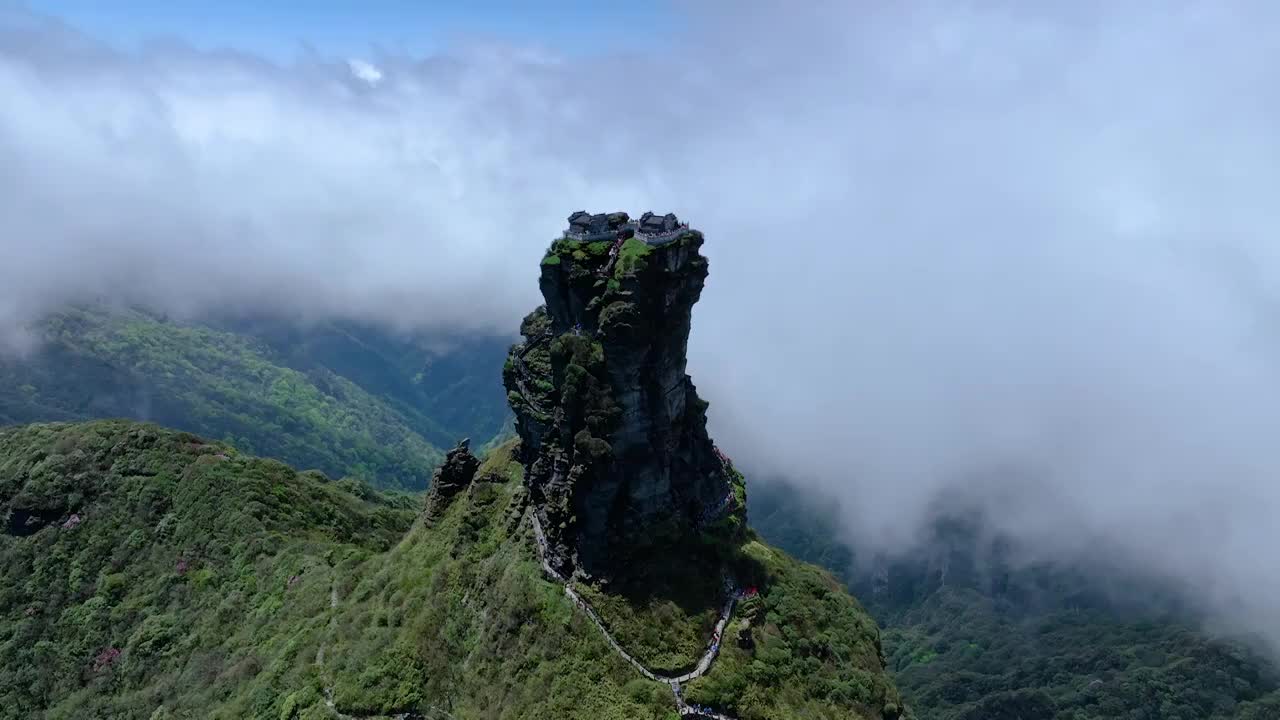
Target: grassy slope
221,385
959,653
292,585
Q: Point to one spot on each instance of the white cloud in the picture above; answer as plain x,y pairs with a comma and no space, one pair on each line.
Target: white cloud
365,70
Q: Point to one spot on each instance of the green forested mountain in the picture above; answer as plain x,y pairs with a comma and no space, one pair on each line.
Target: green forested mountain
146,573
1039,642
345,400
352,401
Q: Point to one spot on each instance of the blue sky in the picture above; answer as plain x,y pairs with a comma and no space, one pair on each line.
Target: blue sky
279,28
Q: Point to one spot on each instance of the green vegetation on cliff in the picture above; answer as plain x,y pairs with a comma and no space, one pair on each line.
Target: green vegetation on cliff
149,574
631,256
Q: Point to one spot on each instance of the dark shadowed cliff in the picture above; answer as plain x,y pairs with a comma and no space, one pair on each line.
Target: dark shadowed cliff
614,432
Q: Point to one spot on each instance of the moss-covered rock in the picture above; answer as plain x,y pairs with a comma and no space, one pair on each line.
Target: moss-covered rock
452,477
615,328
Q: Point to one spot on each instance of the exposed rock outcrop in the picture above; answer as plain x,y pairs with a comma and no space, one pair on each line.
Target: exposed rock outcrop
745,639
613,431
451,478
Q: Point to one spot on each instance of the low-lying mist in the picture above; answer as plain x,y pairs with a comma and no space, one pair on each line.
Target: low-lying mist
1021,253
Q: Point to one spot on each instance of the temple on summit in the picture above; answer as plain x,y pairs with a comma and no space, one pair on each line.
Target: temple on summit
652,228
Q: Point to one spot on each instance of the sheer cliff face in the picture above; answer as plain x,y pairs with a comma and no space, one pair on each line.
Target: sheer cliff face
613,431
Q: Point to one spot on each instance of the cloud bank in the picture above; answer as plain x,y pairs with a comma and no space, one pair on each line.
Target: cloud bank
1022,252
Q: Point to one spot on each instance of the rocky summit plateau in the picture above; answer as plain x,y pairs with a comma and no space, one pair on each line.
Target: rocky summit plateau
613,433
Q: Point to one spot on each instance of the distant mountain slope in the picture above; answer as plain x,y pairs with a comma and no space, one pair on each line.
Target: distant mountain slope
446,390
346,401
145,573
1038,642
